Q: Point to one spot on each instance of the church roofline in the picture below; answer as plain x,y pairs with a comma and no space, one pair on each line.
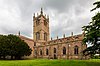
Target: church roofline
69,37
23,37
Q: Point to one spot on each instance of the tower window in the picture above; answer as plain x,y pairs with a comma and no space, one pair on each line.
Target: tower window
76,50
37,36
64,50
45,36
47,52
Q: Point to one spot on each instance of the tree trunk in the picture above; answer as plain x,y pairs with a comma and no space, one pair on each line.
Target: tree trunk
11,57
0,57
4,57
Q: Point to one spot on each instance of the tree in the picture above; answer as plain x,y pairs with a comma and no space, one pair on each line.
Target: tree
3,46
18,47
92,33
13,46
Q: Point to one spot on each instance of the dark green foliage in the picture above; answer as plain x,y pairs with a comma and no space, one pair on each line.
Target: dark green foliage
13,46
3,48
92,34
97,5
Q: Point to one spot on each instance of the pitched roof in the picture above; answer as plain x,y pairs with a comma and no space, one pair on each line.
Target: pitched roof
25,38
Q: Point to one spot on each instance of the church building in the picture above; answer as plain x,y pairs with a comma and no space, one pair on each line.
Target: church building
60,48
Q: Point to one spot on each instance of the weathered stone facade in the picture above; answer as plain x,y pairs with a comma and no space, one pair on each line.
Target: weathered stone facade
64,48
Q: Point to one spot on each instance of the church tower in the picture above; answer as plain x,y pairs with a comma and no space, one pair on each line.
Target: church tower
40,27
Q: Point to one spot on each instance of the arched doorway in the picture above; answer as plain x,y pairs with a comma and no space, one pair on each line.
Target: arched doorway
55,57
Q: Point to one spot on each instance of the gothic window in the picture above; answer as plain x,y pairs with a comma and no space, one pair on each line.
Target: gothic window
64,50
47,52
37,36
40,52
45,36
54,50
76,50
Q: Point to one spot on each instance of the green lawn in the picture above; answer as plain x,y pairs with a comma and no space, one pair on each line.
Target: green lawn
45,62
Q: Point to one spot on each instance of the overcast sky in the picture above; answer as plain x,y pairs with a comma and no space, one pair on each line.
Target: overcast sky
66,16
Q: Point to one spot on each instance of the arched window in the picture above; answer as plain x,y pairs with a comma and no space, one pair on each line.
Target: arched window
47,52
64,50
40,52
45,36
76,50
37,36
35,52
54,50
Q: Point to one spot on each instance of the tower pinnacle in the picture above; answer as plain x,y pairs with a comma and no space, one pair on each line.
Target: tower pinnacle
19,33
41,11
34,15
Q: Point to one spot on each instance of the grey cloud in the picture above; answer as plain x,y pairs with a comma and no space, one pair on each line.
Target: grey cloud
60,6
67,15
26,9
66,5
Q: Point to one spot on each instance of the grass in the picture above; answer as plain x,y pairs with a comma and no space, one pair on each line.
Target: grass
46,62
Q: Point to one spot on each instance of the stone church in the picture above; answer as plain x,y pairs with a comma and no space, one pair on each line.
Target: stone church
60,48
